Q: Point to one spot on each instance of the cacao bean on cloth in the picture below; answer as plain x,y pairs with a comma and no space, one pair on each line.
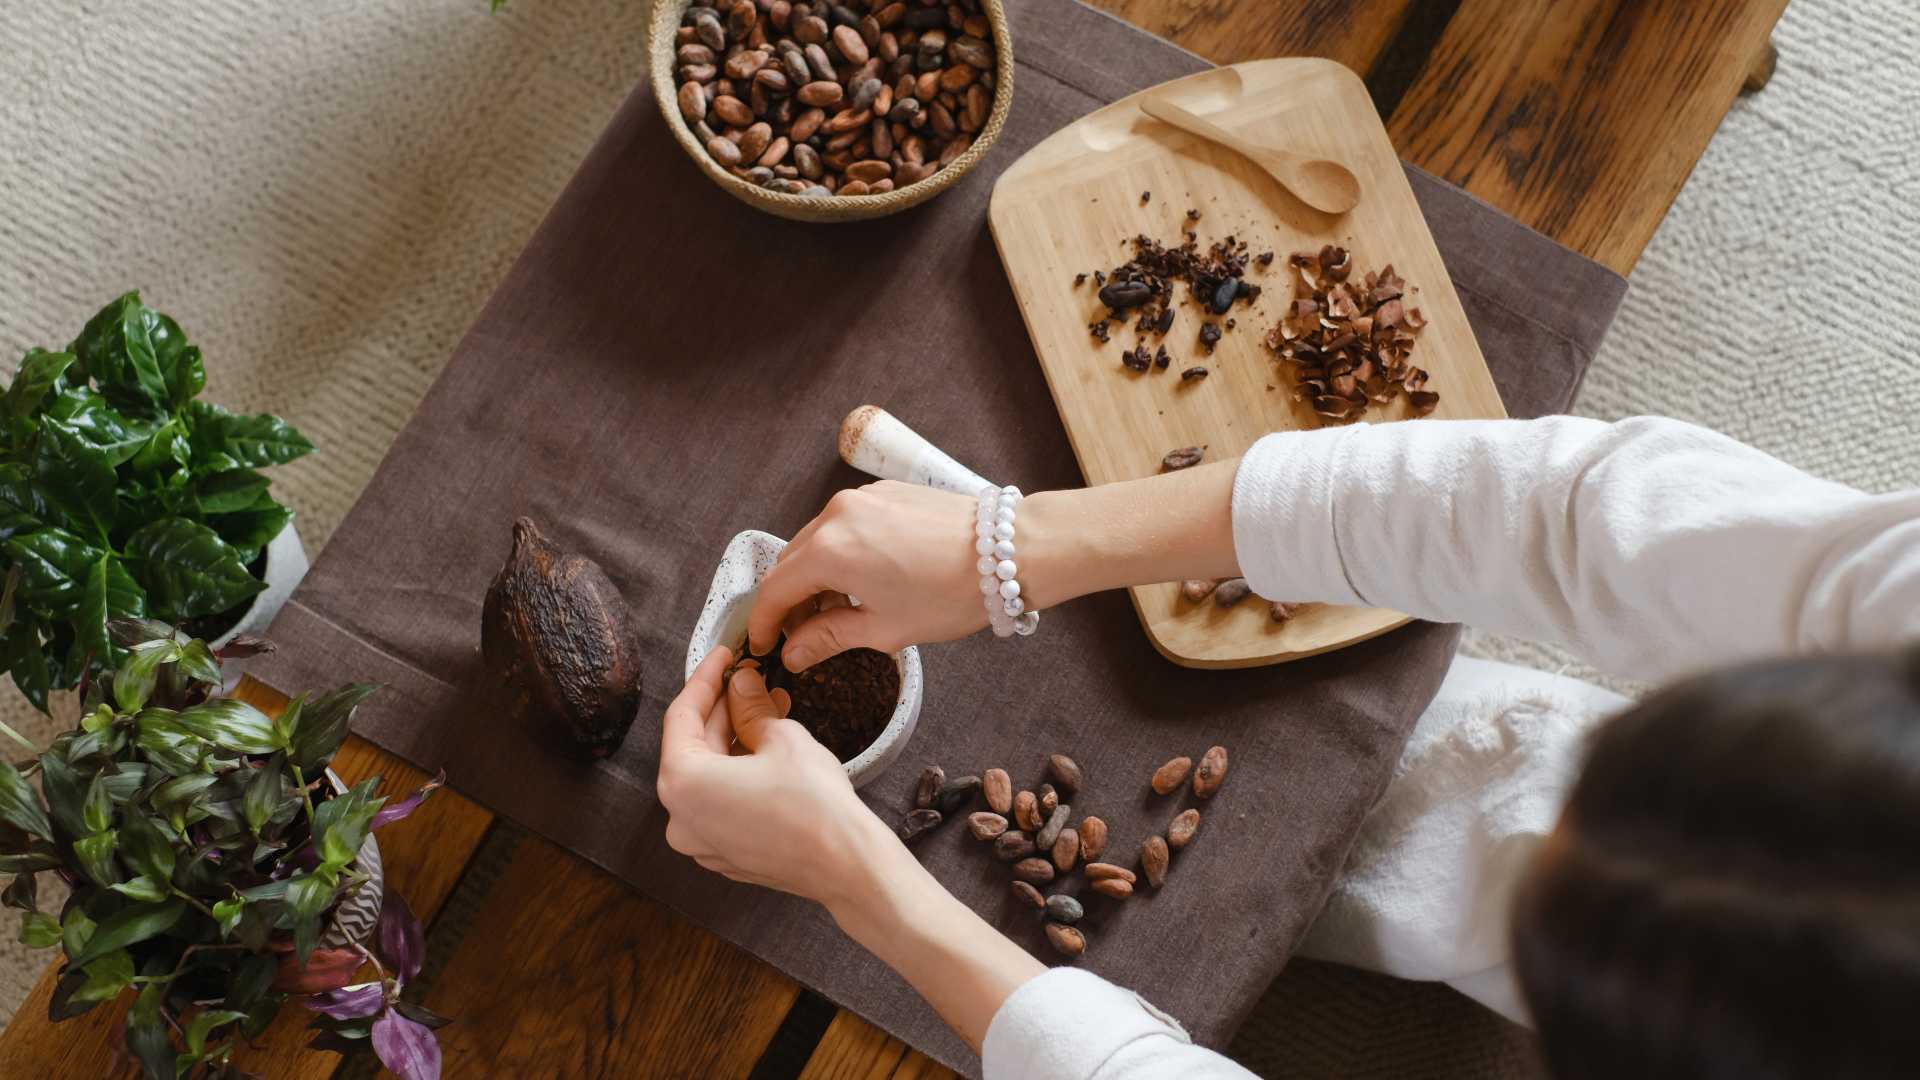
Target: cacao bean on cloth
663,367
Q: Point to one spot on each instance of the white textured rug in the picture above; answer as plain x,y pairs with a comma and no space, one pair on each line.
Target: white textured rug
324,195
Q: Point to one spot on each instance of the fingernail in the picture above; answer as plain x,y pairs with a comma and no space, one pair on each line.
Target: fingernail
798,659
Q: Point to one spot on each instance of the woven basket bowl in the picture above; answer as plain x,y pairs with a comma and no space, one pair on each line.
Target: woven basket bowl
660,58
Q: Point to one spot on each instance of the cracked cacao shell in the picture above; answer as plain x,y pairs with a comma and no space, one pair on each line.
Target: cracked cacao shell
955,794
557,633
917,823
931,778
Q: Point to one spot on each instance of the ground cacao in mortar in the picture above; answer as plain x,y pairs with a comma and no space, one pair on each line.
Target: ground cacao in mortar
845,701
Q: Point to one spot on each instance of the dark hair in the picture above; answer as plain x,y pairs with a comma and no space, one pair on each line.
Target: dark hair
1734,888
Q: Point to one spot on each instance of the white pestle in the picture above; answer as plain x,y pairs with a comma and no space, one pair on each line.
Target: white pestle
875,442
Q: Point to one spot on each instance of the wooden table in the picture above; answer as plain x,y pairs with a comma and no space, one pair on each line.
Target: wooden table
1582,118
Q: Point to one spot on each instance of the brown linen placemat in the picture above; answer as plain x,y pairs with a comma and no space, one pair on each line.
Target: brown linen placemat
663,368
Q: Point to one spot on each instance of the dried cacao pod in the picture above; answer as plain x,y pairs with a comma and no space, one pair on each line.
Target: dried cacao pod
558,634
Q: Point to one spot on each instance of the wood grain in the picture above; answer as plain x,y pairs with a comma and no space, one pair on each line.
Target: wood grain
1582,119
1354,32
423,857
566,973
1070,205
853,1049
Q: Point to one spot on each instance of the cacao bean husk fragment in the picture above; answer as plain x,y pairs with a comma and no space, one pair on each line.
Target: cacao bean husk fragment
917,823
1168,778
1066,940
931,779
1153,859
558,635
1211,773
955,795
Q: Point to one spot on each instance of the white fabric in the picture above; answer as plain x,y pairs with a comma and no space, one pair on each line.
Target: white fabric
1651,547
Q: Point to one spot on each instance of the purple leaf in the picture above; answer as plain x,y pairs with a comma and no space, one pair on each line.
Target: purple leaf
406,1048
243,646
402,941
348,1002
395,811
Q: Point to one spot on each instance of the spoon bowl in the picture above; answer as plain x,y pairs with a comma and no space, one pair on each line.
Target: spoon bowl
1325,185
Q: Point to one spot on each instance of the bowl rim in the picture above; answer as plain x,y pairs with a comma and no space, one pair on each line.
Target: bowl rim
724,598
660,51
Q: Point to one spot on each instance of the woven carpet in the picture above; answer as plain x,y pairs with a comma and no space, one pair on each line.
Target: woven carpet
324,195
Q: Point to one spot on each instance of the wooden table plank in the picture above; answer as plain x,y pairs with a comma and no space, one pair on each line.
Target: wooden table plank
566,973
423,857
1354,32
853,1049
1582,119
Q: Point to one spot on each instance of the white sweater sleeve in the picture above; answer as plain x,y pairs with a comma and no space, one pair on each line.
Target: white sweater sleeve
1070,1024
1652,547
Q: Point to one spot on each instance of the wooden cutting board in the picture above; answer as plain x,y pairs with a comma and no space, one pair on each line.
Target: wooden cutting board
1073,203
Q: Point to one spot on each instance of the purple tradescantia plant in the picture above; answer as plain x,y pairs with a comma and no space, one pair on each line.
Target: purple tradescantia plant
401,1031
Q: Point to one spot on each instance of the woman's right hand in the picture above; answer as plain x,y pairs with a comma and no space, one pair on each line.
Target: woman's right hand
905,551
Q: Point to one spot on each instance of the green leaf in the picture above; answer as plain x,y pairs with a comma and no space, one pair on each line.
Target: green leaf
147,1034
167,445
167,745
198,663
42,856
323,725
38,930
202,1025
110,593
264,791
146,846
78,476
181,368
19,806
75,931
95,855
225,492
307,896
66,794
254,442
143,889
106,977
23,508
130,926
188,570
232,724
96,811
227,913
117,346
251,982
39,372
133,683
53,564
24,893
177,796
102,426
340,824
28,664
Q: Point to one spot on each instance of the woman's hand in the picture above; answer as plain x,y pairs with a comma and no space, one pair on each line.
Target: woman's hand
782,814
905,551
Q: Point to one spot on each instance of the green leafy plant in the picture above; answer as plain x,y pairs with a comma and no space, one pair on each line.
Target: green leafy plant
208,856
122,495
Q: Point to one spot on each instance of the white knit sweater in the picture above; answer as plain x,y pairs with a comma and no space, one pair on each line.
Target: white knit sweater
1652,548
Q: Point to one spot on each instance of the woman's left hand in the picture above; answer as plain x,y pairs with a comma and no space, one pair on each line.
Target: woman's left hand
782,814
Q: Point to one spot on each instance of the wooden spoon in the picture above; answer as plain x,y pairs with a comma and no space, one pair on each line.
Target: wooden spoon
1327,186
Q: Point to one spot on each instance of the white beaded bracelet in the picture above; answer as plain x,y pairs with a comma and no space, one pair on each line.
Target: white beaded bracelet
993,541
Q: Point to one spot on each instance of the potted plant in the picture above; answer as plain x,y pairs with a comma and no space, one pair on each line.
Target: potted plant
123,495
217,867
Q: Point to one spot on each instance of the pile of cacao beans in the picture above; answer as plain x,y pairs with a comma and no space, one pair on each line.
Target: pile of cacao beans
1034,830
817,98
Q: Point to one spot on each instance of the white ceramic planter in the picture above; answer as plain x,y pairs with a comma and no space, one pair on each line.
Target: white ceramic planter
286,565
723,621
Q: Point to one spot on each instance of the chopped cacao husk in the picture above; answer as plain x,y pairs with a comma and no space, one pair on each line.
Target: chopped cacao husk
1349,341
